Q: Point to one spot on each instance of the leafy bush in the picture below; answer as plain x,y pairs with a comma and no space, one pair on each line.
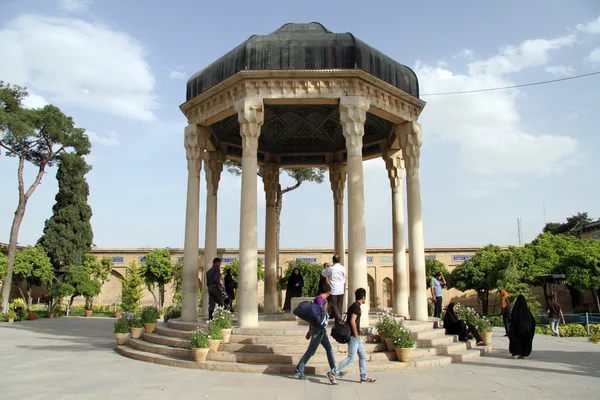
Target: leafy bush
572,330
199,339
3,317
484,325
18,302
39,307
133,320
171,314
122,325
222,318
149,315
214,330
11,315
496,321
468,315
311,274
132,290
234,266
595,337
543,330
594,328
405,339
393,330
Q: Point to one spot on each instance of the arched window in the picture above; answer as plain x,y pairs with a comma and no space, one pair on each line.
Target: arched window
388,293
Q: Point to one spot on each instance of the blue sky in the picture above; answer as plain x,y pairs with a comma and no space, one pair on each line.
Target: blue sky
119,69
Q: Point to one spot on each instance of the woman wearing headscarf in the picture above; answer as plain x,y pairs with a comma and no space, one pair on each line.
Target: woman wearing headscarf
505,312
521,329
230,286
294,288
456,326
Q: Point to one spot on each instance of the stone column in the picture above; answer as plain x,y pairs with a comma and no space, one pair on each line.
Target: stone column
213,165
195,143
337,178
353,113
411,140
250,116
270,176
395,167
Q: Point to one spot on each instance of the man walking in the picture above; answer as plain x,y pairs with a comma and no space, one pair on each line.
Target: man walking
355,344
555,314
436,292
336,275
213,282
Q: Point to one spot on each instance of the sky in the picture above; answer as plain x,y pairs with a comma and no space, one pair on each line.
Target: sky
119,68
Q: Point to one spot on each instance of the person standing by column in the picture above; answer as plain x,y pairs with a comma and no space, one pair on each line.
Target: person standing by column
230,286
505,312
436,292
213,281
555,314
336,274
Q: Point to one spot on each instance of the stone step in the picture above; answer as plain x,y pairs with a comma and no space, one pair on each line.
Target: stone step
264,331
164,330
274,358
438,341
159,348
428,334
166,340
185,326
293,348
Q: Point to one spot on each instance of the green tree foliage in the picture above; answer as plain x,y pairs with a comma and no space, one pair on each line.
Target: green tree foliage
234,266
311,273
581,265
38,137
84,280
157,271
68,233
178,284
3,264
133,288
479,274
511,276
432,267
33,267
557,228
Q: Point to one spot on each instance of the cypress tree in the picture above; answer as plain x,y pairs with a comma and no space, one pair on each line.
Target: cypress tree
68,233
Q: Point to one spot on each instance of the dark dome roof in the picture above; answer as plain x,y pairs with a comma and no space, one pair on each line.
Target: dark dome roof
303,46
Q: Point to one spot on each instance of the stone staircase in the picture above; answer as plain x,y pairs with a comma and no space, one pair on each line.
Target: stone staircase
275,347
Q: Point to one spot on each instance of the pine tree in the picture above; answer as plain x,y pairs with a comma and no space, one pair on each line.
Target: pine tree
68,233
132,291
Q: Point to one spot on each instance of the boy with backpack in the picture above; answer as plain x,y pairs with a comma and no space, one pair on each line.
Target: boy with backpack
318,336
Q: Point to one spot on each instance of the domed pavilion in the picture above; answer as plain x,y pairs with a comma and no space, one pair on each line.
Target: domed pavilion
303,96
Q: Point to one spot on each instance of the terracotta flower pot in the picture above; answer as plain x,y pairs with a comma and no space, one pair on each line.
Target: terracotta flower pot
121,338
381,336
56,315
149,328
226,333
404,355
199,355
390,344
31,316
11,320
136,333
88,313
213,345
487,337
50,315
117,314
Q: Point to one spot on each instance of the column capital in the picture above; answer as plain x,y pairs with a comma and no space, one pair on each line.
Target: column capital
353,114
411,140
195,138
395,167
337,178
213,163
251,117
270,176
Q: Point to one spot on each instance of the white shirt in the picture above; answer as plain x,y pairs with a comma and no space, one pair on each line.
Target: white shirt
337,278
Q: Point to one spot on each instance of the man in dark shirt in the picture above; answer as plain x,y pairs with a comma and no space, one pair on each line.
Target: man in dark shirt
355,345
555,314
213,281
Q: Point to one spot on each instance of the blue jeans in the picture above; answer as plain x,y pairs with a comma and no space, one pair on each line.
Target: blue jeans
318,336
354,346
554,326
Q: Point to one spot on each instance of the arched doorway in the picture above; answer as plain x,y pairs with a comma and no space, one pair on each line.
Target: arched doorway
372,292
387,293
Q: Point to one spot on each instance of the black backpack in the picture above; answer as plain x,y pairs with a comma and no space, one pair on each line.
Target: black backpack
341,332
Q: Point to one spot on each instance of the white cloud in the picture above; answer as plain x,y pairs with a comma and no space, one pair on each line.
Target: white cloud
77,62
487,125
111,139
592,27
177,75
530,53
594,57
562,70
34,101
75,5
465,53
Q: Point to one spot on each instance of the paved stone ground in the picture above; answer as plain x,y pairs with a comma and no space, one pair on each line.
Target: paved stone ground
74,358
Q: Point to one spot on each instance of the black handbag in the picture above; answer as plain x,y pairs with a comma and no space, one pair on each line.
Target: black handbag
342,332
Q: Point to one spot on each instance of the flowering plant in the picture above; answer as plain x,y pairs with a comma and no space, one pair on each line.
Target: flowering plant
222,317
404,339
122,325
132,319
468,315
11,315
199,339
214,330
484,325
385,321
149,314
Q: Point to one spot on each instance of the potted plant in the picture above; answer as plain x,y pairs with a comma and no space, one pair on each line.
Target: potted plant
88,311
485,329
392,332
214,335
222,317
385,319
10,316
31,315
56,311
149,316
404,344
135,325
121,330
199,344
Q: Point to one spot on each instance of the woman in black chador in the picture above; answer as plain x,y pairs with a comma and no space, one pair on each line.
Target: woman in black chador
294,288
230,286
456,326
521,329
